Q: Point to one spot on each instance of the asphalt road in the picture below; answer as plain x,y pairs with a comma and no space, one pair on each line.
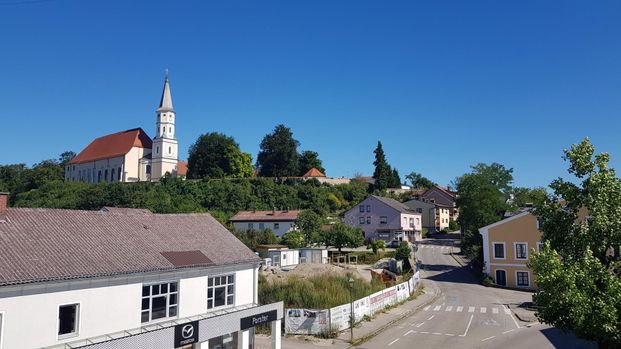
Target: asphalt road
466,314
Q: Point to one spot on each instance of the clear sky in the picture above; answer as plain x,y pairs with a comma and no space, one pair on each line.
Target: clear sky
443,84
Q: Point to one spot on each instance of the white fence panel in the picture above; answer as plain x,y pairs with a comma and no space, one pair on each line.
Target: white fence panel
403,291
339,316
306,321
361,308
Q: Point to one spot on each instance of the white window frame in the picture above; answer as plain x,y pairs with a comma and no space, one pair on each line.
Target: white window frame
539,246
78,316
496,279
361,208
368,208
515,256
516,278
361,220
168,305
504,249
2,321
213,297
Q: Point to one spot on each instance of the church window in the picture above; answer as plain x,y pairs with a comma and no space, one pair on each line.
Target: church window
99,176
106,175
169,150
157,150
170,130
119,174
112,175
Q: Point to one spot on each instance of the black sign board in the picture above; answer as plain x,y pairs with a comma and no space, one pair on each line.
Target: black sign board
186,334
258,319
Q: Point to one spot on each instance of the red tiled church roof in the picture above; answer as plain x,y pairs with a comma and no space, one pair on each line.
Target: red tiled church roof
313,172
182,168
113,145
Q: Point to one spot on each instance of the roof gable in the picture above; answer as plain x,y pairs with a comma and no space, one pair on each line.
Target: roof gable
113,145
313,172
394,204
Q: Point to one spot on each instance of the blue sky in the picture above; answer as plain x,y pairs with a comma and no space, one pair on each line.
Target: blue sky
443,84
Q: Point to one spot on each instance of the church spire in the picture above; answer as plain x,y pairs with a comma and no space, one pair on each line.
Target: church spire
166,101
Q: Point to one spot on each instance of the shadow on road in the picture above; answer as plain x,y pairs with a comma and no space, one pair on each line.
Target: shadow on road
451,274
564,340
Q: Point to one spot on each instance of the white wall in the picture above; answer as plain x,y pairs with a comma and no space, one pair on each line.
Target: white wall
32,321
283,227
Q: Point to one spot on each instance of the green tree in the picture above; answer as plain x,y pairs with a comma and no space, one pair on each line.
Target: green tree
376,245
526,196
417,181
65,157
309,224
278,156
294,239
578,271
215,155
383,172
395,179
481,201
309,159
342,235
403,253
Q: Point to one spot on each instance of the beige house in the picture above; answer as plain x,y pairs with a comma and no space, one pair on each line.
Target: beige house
507,245
131,155
435,216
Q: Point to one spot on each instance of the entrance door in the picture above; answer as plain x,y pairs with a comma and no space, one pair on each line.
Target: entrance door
501,277
276,260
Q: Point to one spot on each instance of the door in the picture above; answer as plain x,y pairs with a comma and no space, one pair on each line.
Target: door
501,277
276,260
316,256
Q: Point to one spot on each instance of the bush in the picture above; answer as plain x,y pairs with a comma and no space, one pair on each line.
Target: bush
488,281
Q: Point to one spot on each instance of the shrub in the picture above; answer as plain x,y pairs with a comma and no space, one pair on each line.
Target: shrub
488,281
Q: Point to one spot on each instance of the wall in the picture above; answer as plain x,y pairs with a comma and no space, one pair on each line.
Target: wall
103,310
283,227
79,172
376,210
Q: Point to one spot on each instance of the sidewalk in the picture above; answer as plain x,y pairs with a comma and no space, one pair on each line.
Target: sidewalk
363,330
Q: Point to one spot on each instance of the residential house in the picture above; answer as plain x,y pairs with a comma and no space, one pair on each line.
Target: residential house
435,217
126,278
279,222
443,197
385,219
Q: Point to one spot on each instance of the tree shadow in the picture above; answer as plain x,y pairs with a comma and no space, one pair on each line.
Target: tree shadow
451,273
566,340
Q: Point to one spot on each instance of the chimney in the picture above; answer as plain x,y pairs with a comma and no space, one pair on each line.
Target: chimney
4,203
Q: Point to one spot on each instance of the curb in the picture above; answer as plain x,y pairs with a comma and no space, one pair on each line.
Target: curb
392,322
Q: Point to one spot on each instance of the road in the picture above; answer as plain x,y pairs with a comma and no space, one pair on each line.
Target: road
466,314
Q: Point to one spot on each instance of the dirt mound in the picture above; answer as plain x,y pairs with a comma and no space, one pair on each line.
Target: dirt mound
310,269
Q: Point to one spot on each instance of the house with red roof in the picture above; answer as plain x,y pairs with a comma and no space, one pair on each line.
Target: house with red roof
131,155
442,198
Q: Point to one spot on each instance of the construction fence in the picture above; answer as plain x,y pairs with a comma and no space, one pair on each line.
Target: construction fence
317,321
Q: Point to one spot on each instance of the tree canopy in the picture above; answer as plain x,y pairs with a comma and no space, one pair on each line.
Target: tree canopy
342,235
278,155
309,159
215,155
417,181
385,176
578,271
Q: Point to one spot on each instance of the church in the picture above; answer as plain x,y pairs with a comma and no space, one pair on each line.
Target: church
131,155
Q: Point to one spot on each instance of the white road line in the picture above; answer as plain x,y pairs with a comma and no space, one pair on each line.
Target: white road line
427,308
425,332
437,308
460,309
437,333
471,309
483,310
449,334
408,332
393,342
511,330
495,310
507,311
483,340
449,308
431,317
467,327
512,317
419,325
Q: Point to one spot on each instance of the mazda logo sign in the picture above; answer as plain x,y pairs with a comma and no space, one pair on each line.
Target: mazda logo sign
187,331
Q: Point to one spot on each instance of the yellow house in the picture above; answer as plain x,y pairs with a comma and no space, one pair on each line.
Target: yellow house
507,245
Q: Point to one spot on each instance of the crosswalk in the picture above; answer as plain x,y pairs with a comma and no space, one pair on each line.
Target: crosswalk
435,246
471,309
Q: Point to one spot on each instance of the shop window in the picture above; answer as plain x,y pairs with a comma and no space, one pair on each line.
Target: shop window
159,301
68,320
228,341
220,291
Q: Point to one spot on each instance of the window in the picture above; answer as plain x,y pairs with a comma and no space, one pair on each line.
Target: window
68,320
169,150
250,226
499,250
157,150
383,219
119,174
220,291
361,220
106,175
521,250
417,220
368,219
361,208
159,301
170,130
99,176
539,223
368,208
261,226
112,175
522,278
501,277
539,246
276,226
148,170
411,222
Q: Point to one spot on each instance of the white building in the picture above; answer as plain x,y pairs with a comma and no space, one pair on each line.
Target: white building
131,155
126,278
279,222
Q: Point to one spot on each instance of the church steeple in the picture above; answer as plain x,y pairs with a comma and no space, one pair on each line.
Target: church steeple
166,100
164,154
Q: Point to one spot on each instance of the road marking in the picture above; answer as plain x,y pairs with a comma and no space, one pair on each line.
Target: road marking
460,309
431,317
449,308
483,340
437,308
471,309
401,327
408,332
483,310
419,325
427,308
467,327
449,334
495,310
512,317
437,333
507,311
393,342
511,330
425,332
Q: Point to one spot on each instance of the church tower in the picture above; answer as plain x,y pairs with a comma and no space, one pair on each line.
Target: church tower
164,154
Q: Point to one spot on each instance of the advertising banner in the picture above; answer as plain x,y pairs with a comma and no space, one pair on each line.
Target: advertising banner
339,316
306,321
403,291
361,308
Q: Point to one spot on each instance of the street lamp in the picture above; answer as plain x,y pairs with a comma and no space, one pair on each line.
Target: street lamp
351,310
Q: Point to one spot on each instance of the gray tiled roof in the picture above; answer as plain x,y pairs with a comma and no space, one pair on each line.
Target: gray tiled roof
52,244
395,204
